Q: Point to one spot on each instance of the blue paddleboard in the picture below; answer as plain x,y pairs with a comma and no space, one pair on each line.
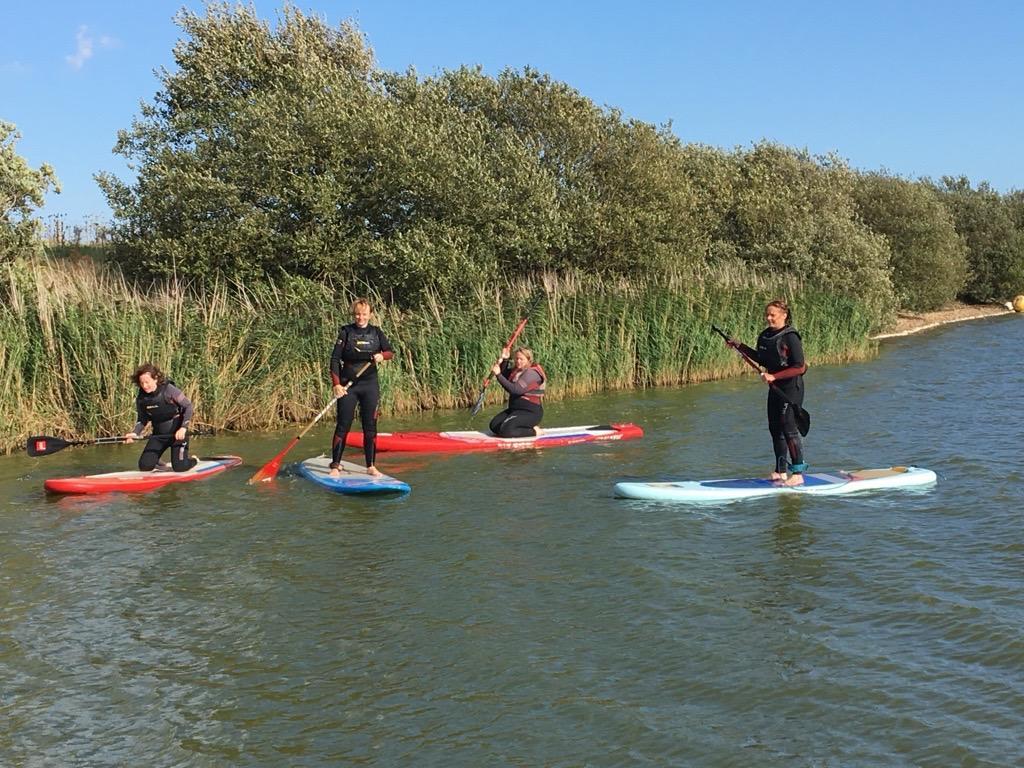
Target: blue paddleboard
815,484
353,479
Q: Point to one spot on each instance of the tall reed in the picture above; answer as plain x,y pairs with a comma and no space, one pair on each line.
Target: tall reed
71,333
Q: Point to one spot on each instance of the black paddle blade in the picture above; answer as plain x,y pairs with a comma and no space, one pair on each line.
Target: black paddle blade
478,404
42,445
803,420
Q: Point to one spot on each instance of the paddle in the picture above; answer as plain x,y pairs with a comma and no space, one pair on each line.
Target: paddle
512,340
269,470
803,418
44,445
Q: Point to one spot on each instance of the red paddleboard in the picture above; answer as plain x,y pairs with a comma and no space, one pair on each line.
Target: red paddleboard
135,481
451,442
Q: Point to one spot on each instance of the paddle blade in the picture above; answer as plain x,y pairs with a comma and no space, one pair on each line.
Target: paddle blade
269,470
42,445
803,421
479,400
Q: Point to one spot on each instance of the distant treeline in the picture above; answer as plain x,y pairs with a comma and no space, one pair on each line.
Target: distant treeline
283,150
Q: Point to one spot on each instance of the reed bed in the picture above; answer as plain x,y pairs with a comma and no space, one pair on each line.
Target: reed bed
254,358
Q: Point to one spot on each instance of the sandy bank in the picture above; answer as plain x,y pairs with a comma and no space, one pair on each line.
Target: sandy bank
908,323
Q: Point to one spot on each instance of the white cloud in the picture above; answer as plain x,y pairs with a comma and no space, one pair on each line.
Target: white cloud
86,46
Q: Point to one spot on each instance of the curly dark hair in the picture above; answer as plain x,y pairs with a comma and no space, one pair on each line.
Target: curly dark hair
152,370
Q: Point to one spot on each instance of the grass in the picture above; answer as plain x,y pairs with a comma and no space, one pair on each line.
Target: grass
72,332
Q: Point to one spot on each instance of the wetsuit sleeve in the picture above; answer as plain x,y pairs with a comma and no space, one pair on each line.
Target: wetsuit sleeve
141,419
336,362
385,345
176,396
751,353
797,363
528,380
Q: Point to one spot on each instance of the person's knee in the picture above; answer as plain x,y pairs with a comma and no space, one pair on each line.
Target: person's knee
147,461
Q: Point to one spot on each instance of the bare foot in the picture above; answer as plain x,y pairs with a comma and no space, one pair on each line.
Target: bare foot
777,476
372,471
335,471
794,480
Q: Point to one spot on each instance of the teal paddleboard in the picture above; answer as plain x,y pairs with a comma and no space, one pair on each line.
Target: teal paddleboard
815,484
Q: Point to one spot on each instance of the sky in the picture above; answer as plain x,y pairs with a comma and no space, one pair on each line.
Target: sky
927,88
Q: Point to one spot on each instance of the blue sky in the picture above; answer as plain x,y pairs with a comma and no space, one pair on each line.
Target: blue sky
914,88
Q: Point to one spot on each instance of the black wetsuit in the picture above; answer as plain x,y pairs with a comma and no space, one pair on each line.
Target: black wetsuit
354,347
782,355
167,409
525,389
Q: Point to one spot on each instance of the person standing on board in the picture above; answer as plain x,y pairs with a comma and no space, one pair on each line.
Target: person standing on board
524,381
160,403
358,343
781,353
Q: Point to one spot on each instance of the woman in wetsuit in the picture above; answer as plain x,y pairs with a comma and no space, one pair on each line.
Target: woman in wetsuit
781,353
358,343
163,405
524,381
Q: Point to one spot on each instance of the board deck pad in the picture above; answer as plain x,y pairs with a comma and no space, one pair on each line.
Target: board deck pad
469,440
135,481
815,484
354,479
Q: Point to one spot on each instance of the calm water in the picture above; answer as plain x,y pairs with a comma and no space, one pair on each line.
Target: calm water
511,612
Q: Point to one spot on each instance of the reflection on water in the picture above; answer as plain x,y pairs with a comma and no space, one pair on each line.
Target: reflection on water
510,611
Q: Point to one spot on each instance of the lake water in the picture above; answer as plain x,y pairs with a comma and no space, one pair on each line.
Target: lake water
511,612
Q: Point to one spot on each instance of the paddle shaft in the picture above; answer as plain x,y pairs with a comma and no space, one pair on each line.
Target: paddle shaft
509,343
511,340
269,470
44,445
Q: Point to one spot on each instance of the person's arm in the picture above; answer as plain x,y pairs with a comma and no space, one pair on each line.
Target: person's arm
336,361
386,353
174,395
141,419
528,380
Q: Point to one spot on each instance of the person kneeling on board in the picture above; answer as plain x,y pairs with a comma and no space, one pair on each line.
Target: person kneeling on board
524,381
163,405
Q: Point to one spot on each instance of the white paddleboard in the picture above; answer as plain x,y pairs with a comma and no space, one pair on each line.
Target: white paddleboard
815,484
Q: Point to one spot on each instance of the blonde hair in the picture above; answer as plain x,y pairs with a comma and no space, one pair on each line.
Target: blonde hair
526,351
361,302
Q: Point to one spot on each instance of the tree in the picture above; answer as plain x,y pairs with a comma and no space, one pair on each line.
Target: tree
793,214
995,245
21,192
928,257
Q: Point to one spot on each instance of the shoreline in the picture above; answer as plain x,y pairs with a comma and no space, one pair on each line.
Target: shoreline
910,323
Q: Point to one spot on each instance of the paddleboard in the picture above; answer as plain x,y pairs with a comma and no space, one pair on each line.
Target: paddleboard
451,442
134,481
353,479
815,484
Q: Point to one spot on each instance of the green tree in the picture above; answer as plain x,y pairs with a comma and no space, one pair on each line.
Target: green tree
793,214
928,257
284,150
21,192
624,204
995,245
